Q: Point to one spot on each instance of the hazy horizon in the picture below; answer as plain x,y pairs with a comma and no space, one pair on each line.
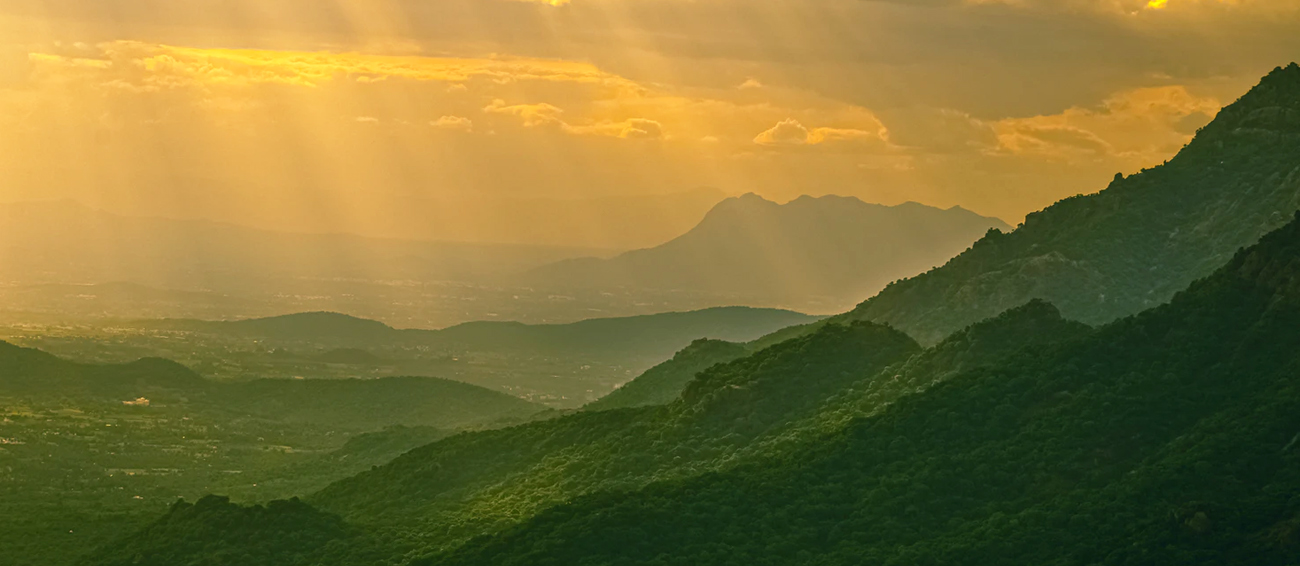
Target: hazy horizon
461,120
649,282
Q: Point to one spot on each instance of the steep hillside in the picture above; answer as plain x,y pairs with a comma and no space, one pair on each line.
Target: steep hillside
1166,438
1136,243
663,383
737,412
832,247
502,474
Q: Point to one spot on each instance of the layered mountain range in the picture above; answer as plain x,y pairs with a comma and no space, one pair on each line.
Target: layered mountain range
964,416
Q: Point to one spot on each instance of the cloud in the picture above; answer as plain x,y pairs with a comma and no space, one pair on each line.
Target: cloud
533,115
791,132
826,135
1053,139
940,130
750,83
785,132
543,114
171,66
634,128
454,123
1141,124
640,128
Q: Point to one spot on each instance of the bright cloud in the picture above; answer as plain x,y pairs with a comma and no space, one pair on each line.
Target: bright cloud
533,115
1142,124
791,132
453,123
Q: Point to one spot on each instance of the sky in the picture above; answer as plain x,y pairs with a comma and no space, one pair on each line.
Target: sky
472,119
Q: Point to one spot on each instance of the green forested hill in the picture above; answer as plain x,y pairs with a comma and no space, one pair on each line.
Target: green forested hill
1165,438
496,477
1133,245
663,383
33,377
91,452
788,395
562,365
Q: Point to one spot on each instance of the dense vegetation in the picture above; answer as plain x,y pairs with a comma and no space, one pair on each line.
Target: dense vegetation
663,383
440,495
1167,438
562,365
1132,246
35,376
215,532
89,453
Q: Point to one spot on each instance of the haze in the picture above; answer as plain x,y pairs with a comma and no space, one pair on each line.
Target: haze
480,120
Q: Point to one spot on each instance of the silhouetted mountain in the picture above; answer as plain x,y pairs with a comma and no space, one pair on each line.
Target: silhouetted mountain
651,335
661,334
1132,246
300,327
1164,438
834,247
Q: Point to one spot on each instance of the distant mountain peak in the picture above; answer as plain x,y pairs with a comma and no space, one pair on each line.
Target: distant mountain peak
321,316
747,201
828,250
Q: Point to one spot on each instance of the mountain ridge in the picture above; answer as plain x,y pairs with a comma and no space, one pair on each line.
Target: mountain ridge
1162,438
1129,247
1060,415
832,246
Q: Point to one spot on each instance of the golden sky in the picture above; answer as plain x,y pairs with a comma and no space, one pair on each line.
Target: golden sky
446,118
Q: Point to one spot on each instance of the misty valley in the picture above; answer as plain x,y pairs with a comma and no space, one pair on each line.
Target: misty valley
628,283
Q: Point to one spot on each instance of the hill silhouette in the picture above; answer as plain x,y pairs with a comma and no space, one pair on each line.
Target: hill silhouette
1164,438
1158,439
832,247
1131,246
652,335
